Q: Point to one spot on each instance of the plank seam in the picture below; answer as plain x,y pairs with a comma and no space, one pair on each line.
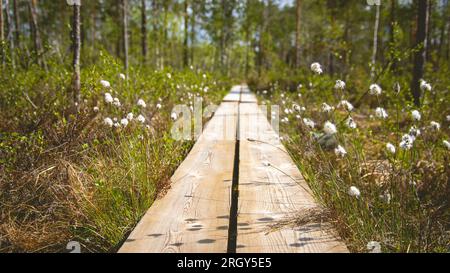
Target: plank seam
232,226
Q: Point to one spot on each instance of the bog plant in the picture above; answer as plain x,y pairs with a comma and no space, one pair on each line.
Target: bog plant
379,165
88,177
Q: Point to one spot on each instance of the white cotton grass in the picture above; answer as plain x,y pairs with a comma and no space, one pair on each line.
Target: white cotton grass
391,148
354,192
424,86
435,125
105,84
116,102
350,122
141,119
158,106
316,68
130,116
340,151
397,87
329,128
446,144
174,116
109,98
375,90
326,108
96,109
122,76
124,122
381,113
407,142
340,85
108,122
414,132
309,123
297,108
141,103
416,115
346,105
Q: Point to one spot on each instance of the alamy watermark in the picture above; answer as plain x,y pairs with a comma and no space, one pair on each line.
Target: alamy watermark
373,2
228,122
73,2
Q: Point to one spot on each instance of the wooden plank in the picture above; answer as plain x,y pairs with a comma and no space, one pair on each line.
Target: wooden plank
273,193
234,95
247,96
193,216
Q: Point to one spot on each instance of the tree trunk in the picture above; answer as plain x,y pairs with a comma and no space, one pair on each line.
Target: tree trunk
76,30
392,31
144,30
429,32
297,34
393,20
32,4
331,5
165,36
420,55
442,39
156,32
223,36
264,38
125,34
186,35
93,26
2,33
447,55
375,41
248,45
17,23
10,34
193,33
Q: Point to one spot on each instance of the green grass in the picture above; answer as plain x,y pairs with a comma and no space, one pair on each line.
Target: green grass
66,177
403,203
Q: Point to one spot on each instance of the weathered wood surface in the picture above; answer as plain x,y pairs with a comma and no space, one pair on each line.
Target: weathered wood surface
273,193
194,214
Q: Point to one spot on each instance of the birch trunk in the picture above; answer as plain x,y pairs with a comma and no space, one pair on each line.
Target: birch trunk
297,34
375,41
76,53
125,34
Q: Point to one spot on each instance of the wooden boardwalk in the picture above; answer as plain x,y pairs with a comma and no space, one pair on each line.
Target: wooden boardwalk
237,191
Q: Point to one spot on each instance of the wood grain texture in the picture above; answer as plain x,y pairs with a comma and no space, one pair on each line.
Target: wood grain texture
194,215
273,194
